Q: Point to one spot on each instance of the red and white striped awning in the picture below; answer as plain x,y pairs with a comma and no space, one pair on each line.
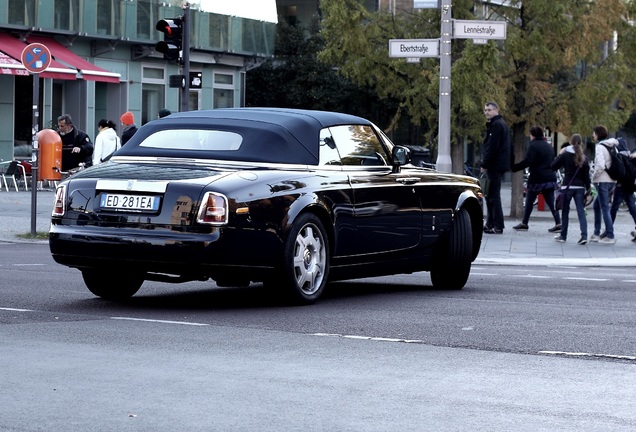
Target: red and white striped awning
10,66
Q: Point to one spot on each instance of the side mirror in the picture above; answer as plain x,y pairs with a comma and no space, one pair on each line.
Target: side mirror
401,156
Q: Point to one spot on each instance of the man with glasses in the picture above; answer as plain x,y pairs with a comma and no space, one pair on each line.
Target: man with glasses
495,162
76,145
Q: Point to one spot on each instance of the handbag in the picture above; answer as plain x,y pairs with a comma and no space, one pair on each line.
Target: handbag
560,193
484,182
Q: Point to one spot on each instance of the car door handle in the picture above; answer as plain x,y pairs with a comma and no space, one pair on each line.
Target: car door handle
408,180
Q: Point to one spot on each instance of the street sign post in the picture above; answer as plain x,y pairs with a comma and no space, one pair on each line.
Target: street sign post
469,29
426,4
414,48
35,58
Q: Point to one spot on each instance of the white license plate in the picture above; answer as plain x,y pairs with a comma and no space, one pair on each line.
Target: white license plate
112,201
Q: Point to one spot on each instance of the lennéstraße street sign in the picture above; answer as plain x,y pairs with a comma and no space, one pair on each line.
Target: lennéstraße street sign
471,29
426,4
413,48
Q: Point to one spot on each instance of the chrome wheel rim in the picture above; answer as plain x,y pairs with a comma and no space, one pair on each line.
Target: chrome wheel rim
309,259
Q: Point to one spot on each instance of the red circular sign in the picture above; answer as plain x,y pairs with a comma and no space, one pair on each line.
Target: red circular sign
36,57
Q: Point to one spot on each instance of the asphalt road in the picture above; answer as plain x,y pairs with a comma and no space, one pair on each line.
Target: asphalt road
520,348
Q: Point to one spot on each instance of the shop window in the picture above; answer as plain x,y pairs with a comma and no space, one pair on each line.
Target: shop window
153,92
223,79
223,90
147,17
67,14
223,98
23,12
108,17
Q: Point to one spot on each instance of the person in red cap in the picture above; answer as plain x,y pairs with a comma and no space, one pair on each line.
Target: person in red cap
128,122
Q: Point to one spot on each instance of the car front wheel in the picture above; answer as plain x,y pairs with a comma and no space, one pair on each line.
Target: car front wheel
116,286
305,265
453,257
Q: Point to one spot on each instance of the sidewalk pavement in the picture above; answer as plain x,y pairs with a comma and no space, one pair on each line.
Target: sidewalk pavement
533,247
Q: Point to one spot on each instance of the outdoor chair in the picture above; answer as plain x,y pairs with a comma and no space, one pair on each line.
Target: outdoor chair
13,172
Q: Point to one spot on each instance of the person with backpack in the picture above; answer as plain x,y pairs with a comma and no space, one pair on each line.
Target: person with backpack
604,185
623,192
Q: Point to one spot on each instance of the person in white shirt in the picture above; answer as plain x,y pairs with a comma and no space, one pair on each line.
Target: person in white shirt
604,184
106,141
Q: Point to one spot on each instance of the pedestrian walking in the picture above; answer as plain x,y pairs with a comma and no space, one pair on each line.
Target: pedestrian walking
106,141
621,194
576,183
130,128
604,185
77,147
495,162
542,178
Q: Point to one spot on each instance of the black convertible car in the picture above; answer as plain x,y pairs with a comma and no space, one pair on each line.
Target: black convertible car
290,198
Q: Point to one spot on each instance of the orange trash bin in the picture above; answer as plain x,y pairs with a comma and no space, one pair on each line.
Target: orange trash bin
541,202
49,155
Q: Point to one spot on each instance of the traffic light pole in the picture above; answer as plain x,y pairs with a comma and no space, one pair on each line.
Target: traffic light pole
185,59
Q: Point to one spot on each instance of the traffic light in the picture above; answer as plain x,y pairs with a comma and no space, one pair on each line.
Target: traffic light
172,43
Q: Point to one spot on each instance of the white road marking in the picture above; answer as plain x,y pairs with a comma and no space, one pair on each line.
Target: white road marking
382,339
535,276
586,279
574,354
28,265
16,310
159,321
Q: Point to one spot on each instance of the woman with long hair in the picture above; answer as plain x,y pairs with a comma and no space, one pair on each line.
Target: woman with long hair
576,181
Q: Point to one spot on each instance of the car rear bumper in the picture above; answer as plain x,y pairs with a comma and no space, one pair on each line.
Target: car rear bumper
164,251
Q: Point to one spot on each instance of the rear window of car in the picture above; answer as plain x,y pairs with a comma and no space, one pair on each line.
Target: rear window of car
194,139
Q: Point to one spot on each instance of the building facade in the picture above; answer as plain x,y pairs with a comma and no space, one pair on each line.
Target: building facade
104,63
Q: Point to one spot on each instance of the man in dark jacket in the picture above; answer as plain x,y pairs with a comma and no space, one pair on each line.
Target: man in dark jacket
541,180
495,162
76,145
130,128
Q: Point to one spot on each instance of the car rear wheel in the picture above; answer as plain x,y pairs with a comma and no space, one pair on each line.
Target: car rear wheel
117,286
453,257
305,267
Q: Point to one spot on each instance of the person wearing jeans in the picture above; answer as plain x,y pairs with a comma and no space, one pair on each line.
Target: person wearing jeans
602,213
623,193
576,181
619,196
578,194
604,186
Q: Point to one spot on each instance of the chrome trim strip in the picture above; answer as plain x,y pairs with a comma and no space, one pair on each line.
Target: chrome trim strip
132,185
219,164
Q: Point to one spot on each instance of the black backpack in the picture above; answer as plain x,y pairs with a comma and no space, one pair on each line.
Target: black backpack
629,183
622,168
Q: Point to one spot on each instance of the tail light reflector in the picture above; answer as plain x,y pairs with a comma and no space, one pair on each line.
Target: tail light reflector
59,206
213,209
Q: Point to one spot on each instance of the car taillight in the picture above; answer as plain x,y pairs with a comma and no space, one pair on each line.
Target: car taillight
213,209
58,206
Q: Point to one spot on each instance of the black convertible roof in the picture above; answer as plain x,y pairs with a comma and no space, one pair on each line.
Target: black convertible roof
277,135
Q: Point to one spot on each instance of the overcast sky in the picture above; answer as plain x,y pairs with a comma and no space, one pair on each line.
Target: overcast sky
263,10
